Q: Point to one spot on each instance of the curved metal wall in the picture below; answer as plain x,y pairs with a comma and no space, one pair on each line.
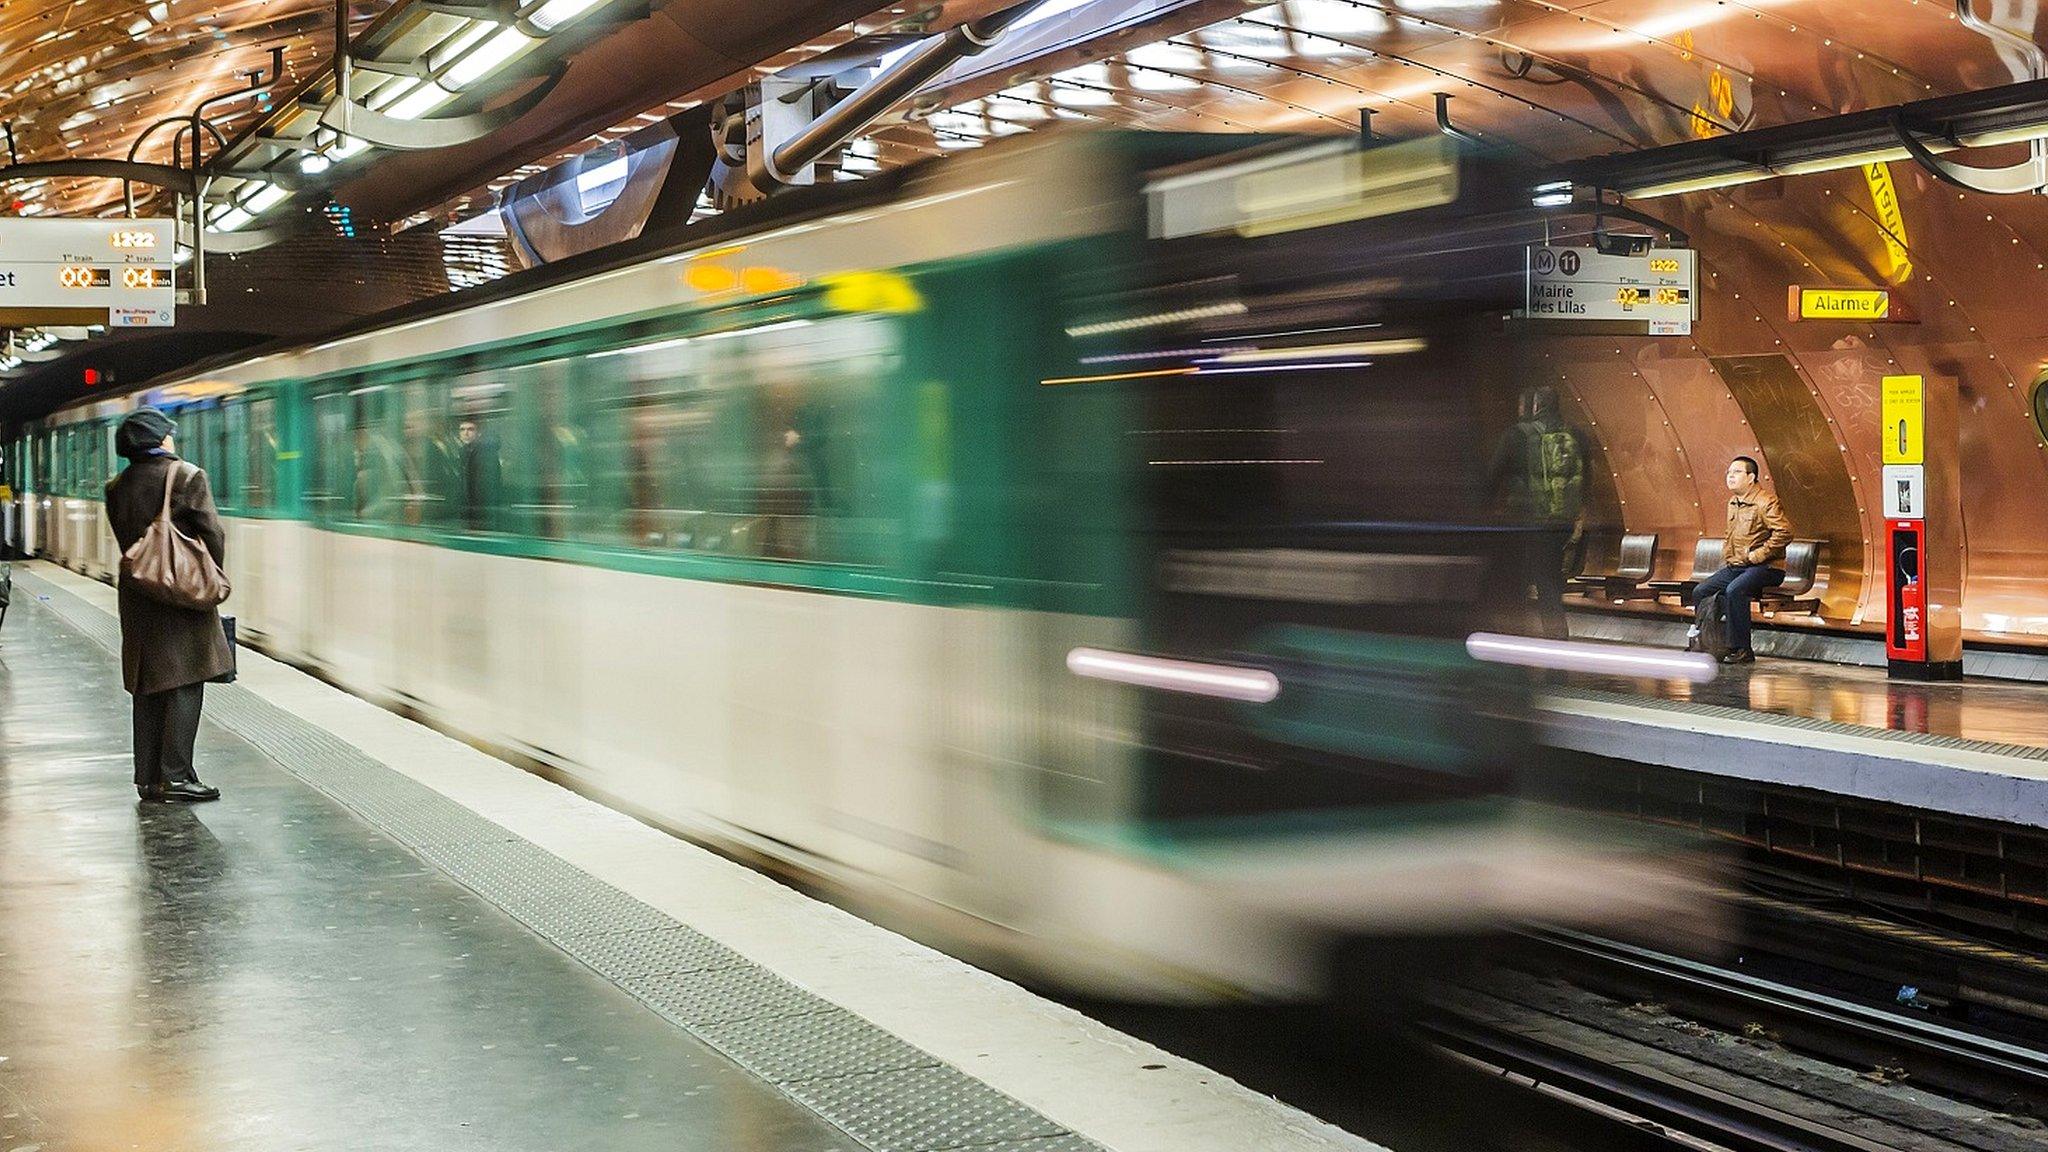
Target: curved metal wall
1803,397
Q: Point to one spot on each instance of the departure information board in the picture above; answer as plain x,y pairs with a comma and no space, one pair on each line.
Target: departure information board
1656,287
123,266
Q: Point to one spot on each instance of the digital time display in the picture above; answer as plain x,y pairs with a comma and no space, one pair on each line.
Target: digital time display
1663,264
133,238
145,277
1629,297
85,276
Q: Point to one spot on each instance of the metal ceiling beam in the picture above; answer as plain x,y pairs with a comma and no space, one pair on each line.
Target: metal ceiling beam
2007,114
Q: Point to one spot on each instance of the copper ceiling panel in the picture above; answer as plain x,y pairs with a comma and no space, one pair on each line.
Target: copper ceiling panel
682,50
83,79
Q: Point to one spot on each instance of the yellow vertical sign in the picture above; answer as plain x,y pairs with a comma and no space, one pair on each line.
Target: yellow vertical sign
1891,221
1904,432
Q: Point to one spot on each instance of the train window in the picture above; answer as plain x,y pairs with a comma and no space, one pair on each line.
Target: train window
230,445
666,433
330,490
754,443
550,486
259,466
816,389
378,484
429,454
477,416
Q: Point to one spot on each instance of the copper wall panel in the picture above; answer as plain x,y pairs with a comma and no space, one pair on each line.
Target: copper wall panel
1803,464
1608,401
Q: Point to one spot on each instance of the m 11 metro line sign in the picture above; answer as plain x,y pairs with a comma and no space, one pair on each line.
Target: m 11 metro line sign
126,267
1656,288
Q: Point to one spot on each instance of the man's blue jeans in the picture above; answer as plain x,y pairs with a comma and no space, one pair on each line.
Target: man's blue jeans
1738,588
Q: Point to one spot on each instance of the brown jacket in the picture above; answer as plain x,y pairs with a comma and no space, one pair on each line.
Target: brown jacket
164,647
1757,530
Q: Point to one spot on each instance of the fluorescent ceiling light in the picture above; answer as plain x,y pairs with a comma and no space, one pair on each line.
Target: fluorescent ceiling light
420,101
232,219
382,96
486,58
265,198
346,147
315,163
1697,184
459,43
555,13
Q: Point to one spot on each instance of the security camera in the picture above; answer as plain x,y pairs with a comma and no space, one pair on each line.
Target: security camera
1620,244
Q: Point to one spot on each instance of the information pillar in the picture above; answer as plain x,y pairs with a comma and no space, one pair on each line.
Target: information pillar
1923,509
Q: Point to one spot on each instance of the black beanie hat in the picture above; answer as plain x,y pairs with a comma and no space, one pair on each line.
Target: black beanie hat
142,431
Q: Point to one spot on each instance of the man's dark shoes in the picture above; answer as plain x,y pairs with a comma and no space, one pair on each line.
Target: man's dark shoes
1739,656
149,792
189,792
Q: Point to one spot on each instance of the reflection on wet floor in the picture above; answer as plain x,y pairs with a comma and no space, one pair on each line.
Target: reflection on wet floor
1998,711
269,972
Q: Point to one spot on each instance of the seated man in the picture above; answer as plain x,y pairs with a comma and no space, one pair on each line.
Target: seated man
1757,535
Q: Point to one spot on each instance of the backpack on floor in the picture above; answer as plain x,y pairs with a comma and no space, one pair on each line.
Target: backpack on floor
1713,625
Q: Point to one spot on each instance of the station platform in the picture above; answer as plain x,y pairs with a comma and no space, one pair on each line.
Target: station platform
1976,748
381,937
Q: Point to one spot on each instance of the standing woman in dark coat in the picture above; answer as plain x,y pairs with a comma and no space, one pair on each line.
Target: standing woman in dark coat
167,653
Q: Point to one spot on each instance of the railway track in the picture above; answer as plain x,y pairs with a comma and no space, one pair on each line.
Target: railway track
1672,1107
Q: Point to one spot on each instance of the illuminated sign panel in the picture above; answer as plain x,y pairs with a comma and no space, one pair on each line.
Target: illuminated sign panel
1861,305
1656,287
124,266
1903,400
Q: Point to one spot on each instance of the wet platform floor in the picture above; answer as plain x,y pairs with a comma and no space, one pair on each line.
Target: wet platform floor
1993,711
269,972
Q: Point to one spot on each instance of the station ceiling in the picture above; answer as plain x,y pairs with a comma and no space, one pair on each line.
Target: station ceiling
1556,79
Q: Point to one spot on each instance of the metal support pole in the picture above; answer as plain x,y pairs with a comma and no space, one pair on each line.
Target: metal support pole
844,120
199,242
343,102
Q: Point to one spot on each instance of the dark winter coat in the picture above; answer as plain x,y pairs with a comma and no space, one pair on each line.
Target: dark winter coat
165,647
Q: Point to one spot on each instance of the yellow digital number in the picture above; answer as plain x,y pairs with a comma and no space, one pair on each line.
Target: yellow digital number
134,238
1664,265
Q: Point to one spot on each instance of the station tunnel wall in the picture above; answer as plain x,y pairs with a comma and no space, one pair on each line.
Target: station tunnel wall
1665,414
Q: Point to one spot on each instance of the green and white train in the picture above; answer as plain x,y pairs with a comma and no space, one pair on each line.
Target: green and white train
1078,598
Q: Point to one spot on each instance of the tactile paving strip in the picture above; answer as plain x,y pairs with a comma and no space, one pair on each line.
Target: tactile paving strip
887,1094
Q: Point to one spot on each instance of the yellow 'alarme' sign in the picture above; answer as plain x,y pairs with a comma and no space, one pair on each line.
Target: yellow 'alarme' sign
1844,303
1861,305
1904,398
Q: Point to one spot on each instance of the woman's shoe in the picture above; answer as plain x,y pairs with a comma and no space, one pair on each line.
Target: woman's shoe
1739,656
189,792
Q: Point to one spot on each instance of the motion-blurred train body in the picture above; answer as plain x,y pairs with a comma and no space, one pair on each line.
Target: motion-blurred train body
1063,551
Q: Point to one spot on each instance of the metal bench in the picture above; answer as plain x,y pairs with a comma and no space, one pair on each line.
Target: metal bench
1706,560
1638,556
1802,569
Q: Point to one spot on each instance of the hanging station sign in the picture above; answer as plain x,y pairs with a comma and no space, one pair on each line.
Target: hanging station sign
1862,305
124,268
1656,287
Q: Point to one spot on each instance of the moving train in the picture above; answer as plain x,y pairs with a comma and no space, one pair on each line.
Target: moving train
1064,551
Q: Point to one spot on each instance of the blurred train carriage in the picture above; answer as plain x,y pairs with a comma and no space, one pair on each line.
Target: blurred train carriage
1079,579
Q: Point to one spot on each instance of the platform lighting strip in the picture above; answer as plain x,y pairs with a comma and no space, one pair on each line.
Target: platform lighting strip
478,50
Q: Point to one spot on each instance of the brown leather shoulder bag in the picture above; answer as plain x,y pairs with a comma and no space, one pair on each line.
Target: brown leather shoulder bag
168,565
